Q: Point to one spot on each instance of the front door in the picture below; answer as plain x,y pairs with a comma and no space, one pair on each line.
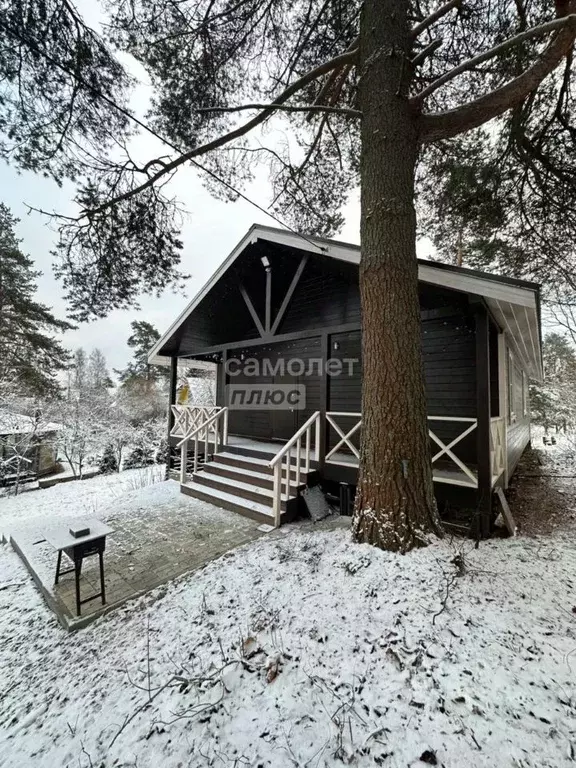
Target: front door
284,421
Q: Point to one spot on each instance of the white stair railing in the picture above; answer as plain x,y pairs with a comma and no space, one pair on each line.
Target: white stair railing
301,442
213,429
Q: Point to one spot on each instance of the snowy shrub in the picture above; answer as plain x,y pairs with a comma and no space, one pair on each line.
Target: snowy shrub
108,462
138,457
148,476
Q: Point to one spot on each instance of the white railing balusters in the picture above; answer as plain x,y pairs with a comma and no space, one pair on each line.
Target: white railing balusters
283,459
276,503
498,445
183,462
298,451
288,474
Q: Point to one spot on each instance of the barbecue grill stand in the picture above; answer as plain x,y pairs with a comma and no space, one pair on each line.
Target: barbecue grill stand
76,550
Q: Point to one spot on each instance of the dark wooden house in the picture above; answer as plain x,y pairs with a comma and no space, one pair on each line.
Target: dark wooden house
281,319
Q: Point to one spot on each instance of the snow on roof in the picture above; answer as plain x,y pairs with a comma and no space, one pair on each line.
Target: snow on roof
20,423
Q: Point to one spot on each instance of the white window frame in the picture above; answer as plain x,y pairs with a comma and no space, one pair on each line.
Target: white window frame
524,394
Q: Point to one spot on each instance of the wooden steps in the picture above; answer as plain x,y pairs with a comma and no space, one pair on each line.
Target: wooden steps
241,480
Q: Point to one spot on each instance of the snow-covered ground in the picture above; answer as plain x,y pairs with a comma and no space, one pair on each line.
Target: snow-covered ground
80,498
302,649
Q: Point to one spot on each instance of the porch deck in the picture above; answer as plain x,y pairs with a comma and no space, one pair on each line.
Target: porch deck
326,443
445,472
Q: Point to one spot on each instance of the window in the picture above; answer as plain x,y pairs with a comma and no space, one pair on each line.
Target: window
524,394
511,398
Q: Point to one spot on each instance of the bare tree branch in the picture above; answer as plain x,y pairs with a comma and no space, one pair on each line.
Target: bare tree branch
542,29
326,89
426,52
434,17
286,108
444,125
309,77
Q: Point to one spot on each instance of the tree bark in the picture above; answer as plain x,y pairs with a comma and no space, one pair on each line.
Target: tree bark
395,507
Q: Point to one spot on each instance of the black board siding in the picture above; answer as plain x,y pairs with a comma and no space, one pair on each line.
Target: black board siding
327,295
263,424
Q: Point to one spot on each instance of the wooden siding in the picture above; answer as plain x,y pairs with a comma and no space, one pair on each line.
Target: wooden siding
328,294
448,354
448,351
518,423
448,346
264,424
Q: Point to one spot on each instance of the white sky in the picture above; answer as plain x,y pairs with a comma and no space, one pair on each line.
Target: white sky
210,231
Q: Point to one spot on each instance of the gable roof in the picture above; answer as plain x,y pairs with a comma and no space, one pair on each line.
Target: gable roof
514,303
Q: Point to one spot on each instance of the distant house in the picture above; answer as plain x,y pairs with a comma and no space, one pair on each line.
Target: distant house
27,447
281,317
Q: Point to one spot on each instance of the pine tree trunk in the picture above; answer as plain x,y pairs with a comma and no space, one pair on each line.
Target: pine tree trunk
395,506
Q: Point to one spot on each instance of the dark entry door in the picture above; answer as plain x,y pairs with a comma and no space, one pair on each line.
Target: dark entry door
284,422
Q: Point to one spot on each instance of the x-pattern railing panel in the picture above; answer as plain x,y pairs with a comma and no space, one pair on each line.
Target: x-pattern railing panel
188,417
345,440
446,449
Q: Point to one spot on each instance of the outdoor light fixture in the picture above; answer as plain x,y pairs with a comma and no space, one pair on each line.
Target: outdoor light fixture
336,345
265,263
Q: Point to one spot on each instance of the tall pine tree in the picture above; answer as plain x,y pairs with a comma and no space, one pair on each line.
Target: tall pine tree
30,353
367,93
141,340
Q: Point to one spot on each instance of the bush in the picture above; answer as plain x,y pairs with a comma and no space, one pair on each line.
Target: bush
108,462
138,457
162,451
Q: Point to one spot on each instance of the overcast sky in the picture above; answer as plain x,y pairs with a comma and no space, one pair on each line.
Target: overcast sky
211,230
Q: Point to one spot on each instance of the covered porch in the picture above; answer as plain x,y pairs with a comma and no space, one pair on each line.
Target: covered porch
326,444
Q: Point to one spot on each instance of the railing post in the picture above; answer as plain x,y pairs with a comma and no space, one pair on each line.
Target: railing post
184,461
318,435
225,428
298,451
277,497
196,452
288,458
